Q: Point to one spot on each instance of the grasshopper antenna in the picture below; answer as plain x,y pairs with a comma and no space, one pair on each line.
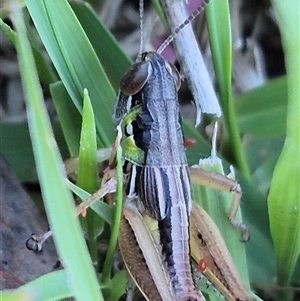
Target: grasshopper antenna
190,18
141,12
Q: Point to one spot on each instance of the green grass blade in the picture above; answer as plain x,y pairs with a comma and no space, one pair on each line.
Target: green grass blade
50,287
45,70
88,172
157,6
102,209
10,33
218,19
74,59
114,61
116,222
68,115
119,283
58,199
284,197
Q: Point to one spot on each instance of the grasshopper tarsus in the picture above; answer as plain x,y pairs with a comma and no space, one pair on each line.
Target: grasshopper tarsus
243,228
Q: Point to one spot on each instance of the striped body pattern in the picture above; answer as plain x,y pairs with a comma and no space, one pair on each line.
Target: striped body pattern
161,179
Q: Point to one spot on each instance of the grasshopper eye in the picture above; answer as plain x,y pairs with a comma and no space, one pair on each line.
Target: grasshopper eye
135,78
175,73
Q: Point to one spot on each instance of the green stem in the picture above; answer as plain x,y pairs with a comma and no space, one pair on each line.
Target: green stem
235,138
116,222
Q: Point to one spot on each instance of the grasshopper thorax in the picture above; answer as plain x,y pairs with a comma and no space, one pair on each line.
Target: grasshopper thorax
149,64
136,77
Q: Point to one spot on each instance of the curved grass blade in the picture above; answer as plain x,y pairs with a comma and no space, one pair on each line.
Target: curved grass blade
101,208
58,200
114,61
218,19
74,59
88,172
52,286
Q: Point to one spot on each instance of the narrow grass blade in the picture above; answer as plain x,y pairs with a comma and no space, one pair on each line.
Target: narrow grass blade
87,172
218,19
102,209
10,33
68,115
116,221
114,61
74,59
58,200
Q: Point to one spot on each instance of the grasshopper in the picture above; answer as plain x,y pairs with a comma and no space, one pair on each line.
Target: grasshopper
159,176
159,181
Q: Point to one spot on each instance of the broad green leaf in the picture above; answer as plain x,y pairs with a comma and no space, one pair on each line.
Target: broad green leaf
263,153
255,216
262,111
57,198
284,197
